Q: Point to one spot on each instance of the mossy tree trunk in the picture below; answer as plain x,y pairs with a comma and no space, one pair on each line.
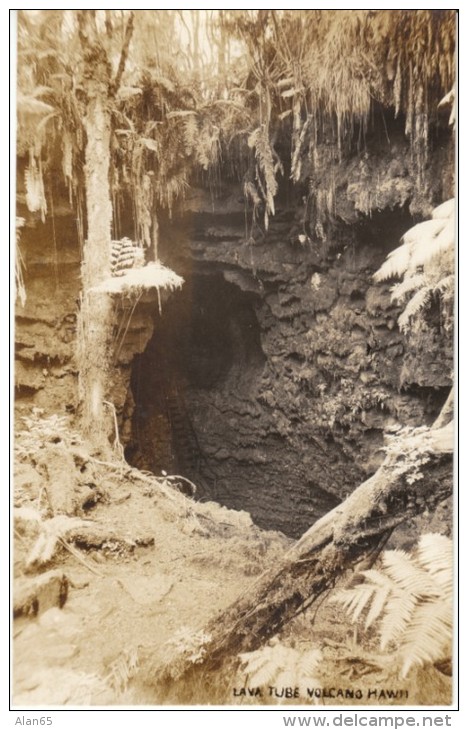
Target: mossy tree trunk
95,326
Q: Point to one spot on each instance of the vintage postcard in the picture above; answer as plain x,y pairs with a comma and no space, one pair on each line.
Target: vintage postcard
235,285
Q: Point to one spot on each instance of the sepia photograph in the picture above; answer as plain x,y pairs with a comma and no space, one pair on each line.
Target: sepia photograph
234,362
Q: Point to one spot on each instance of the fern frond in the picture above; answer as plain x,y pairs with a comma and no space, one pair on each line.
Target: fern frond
250,192
355,599
151,144
164,82
408,285
429,637
190,133
420,244
446,210
180,113
266,168
423,232
440,266
264,665
404,570
435,554
299,148
396,264
309,663
412,595
255,660
446,286
383,588
125,255
35,193
28,104
19,264
415,305
426,249
123,669
363,596
282,665
286,677
398,614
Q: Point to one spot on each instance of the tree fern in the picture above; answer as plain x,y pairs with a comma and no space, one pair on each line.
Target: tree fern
425,262
435,554
408,285
411,598
446,286
396,264
444,210
428,638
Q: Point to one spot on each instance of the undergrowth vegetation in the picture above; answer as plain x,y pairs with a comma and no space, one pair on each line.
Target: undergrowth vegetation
425,262
409,598
282,666
321,78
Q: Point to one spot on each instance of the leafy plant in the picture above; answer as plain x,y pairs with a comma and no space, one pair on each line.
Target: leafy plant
409,458
123,669
323,75
318,75
186,645
281,666
425,262
410,597
266,168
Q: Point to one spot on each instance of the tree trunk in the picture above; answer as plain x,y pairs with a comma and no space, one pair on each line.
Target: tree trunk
409,482
95,326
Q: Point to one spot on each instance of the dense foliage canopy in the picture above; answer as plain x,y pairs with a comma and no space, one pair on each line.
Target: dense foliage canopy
197,92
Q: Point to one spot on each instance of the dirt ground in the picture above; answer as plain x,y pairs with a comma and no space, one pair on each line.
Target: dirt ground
115,570
125,601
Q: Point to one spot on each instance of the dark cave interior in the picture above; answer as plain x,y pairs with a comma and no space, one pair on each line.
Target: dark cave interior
207,337
275,402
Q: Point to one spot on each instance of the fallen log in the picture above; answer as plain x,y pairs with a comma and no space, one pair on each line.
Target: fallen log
416,475
36,595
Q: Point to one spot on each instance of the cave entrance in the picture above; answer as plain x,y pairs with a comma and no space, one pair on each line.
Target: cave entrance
205,346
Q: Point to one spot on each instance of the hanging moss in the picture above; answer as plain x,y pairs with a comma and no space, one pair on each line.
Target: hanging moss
311,79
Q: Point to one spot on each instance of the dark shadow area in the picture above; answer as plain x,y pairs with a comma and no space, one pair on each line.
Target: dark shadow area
208,335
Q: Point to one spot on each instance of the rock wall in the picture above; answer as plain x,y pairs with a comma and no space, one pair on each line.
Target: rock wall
45,331
46,373
271,379
289,427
